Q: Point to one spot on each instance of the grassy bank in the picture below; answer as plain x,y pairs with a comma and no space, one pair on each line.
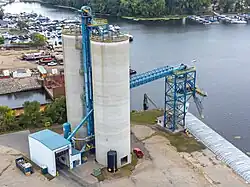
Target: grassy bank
145,117
166,18
180,140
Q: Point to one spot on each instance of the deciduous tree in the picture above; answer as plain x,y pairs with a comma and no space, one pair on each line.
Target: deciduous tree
7,119
32,116
56,111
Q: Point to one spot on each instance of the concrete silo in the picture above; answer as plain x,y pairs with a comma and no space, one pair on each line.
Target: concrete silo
74,81
111,99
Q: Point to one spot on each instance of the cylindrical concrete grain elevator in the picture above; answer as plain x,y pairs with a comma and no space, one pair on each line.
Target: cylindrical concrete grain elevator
74,81
111,99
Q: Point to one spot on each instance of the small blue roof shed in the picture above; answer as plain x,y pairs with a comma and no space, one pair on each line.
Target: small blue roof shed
50,139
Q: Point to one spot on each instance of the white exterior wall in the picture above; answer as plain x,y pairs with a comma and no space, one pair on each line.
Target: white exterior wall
73,158
42,156
73,83
111,95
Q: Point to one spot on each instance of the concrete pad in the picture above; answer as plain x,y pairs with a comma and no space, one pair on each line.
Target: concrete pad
123,182
84,171
215,172
142,132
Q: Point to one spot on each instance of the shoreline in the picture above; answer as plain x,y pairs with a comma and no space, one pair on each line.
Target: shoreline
46,3
132,18
167,18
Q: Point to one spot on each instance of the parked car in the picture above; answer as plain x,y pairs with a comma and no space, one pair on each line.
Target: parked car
52,63
138,152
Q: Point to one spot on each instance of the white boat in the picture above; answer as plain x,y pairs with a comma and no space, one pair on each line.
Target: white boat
5,35
131,38
235,21
116,27
206,22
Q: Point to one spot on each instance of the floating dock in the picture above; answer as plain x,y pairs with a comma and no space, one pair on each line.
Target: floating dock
224,150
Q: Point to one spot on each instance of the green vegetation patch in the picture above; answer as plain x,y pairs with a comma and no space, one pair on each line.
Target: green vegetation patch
34,119
125,171
182,142
145,117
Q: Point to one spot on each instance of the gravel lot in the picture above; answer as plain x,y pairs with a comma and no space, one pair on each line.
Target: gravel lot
9,59
165,167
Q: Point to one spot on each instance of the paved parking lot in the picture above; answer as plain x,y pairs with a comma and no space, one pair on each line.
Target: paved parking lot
16,140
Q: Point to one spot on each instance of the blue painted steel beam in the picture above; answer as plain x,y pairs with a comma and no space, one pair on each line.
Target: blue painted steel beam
153,75
80,125
177,96
87,69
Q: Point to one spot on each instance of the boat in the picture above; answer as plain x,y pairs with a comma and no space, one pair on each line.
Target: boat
236,21
132,72
131,38
116,27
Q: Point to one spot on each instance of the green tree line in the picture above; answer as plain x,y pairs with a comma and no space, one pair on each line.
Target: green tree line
155,8
32,117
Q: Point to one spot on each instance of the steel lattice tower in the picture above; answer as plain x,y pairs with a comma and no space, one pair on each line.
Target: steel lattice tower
179,88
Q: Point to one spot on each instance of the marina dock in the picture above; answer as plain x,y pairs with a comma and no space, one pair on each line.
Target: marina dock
219,18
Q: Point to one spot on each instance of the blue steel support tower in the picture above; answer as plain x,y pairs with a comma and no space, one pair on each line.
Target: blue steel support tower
179,88
86,17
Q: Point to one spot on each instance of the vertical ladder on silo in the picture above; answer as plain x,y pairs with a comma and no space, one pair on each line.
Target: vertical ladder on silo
78,42
78,46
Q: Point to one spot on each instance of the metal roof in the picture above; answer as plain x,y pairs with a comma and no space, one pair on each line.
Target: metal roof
224,150
41,69
50,139
21,71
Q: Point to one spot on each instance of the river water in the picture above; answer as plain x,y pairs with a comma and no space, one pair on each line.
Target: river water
223,64
16,100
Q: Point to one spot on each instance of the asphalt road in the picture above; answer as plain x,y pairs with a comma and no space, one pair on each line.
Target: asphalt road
17,140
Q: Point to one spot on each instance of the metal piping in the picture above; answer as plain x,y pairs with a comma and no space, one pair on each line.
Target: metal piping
80,125
86,20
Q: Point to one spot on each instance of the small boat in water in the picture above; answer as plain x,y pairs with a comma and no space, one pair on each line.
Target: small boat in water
132,72
236,21
131,38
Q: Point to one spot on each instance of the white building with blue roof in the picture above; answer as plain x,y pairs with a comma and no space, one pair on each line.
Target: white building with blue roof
49,149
